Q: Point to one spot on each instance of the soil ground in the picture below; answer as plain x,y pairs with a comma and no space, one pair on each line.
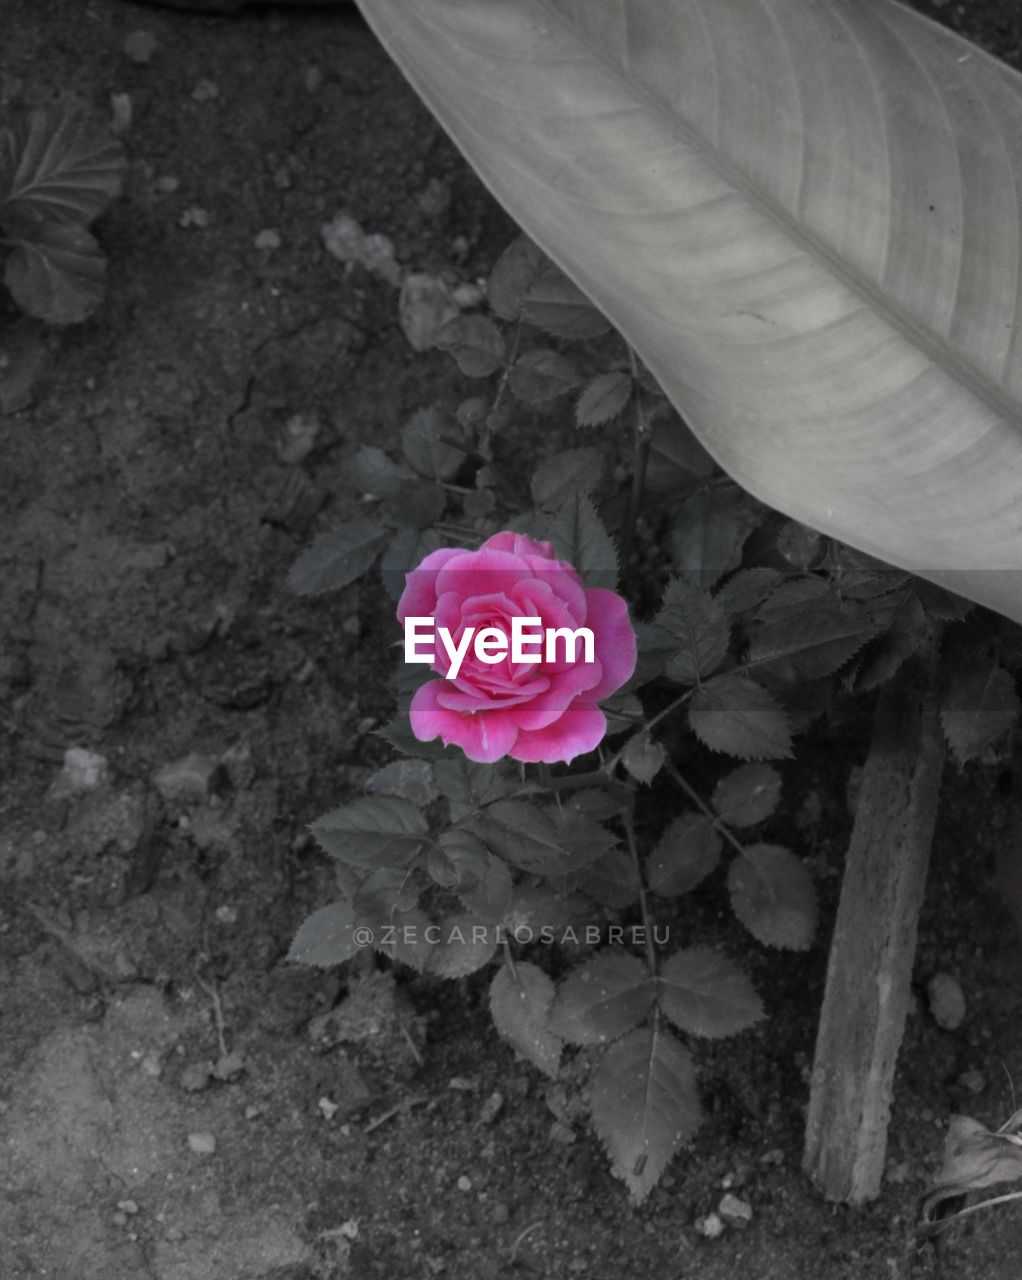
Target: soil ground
145,617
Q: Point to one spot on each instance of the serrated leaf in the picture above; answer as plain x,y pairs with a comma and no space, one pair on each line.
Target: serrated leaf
908,632
371,831
56,272
475,343
677,461
811,643
513,275
643,757
686,853
464,944
417,505
541,375
747,589
799,544
772,894
424,448
521,833
602,999
559,307
603,399
556,479
748,794
469,786
656,647
535,907
406,551
707,534
706,994
410,780
56,167
579,536
374,473
700,628
796,596
623,711
645,1104
583,839
736,716
481,880
520,1001
398,733
384,895
978,707
337,558
325,938
611,880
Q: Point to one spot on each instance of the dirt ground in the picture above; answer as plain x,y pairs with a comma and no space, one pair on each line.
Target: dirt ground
148,480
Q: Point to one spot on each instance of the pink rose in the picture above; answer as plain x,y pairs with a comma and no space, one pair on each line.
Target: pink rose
529,710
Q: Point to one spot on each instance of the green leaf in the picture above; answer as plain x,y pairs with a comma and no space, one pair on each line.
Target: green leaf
759,224
469,786
465,943
736,716
795,597
337,558
700,628
773,896
520,832
643,757
747,795
707,534
645,1105
579,536
908,633
603,399
56,167
406,551
514,274
480,879
706,994
747,589
979,706
582,838
611,880
425,450
602,999
410,780
417,505
374,473
623,711
557,306
371,831
541,375
476,344
813,642
325,937
686,853
520,1000
678,463
555,480
56,272
798,544
399,735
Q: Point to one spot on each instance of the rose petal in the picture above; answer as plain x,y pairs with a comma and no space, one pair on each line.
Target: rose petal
578,731
420,595
614,634
544,708
485,737
519,544
481,573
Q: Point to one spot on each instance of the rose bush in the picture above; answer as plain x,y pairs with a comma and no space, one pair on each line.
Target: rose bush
540,711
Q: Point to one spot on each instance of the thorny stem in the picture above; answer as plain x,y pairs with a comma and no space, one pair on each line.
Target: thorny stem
643,437
651,959
701,804
505,373
647,725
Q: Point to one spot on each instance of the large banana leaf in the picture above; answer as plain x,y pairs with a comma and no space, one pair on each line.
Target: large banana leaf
805,216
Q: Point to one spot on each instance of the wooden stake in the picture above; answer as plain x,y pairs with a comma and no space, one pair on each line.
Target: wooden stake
873,948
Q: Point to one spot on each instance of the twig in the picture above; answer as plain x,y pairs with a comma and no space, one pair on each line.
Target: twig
405,1104
521,1239
218,1012
701,804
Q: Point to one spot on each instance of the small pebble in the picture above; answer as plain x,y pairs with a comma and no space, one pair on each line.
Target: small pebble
202,1143
119,1219
735,1211
205,91
435,198
167,184
127,1206
711,1226
152,1066
139,46
195,1077
194,216
500,1214
461,1084
973,1080
947,1001
464,1184
252,1113
492,1108
226,915
229,1066
327,1108
268,238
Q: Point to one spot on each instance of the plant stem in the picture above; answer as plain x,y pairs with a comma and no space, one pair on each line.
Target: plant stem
669,710
643,438
651,958
703,807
